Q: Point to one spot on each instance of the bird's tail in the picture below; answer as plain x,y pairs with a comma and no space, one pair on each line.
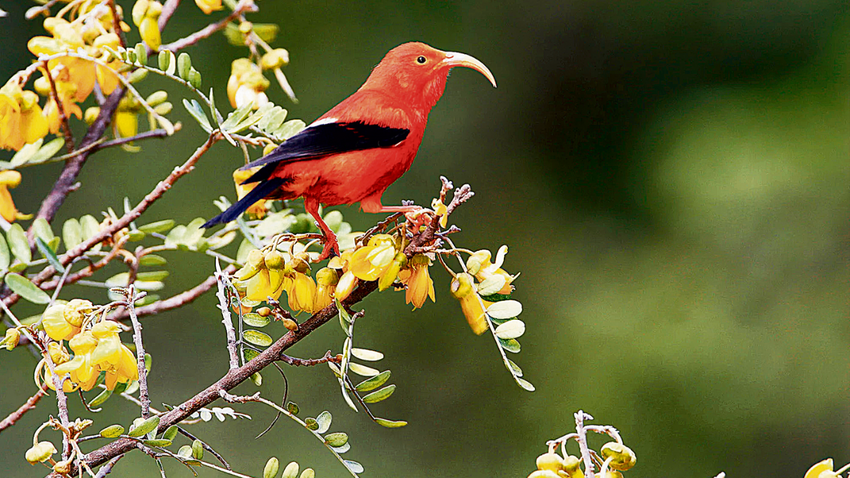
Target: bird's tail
259,192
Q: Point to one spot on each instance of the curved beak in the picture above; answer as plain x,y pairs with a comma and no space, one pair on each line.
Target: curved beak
454,59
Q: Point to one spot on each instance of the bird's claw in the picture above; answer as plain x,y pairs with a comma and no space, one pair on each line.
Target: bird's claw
420,217
331,248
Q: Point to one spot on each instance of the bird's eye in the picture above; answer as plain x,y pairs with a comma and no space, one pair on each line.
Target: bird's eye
421,60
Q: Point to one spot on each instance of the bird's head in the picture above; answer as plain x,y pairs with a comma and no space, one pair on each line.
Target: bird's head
417,73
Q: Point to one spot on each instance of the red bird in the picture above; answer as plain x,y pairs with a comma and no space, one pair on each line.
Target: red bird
361,146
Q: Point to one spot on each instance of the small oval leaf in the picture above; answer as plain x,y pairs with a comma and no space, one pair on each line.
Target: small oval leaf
152,260
256,320
112,431
505,309
390,423
372,383
510,329
336,439
26,289
170,433
18,243
362,370
366,354
72,233
160,442
257,338
144,427
158,226
324,421
353,466
381,394
524,384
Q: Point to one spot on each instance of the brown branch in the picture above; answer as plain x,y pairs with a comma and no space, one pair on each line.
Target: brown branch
167,10
88,271
124,220
242,7
328,357
116,24
156,133
29,405
233,377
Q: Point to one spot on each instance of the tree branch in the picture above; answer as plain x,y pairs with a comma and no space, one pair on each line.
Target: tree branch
242,7
29,405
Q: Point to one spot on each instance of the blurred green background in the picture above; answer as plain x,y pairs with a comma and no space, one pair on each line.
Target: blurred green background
672,179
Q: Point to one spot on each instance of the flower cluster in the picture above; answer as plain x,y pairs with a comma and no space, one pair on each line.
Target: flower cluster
492,280
89,29
825,469
246,84
615,457
96,346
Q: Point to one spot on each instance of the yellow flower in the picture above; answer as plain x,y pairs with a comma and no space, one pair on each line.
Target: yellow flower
473,307
825,469
21,118
41,451
480,266
111,356
373,260
302,293
419,283
209,6
58,353
246,84
345,286
9,179
259,208
83,371
441,210
54,323
326,281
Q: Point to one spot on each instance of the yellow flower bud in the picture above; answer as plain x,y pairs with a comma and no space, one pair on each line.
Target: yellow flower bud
91,115
264,311
10,341
346,286
275,59
571,465
389,276
290,324
149,30
472,305
623,458
42,86
274,259
54,323
63,467
550,461
140,10
154,10
76,311
543,474
326,281
39,452
57,352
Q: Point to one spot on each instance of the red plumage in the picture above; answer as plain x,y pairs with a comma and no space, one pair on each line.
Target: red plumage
356,150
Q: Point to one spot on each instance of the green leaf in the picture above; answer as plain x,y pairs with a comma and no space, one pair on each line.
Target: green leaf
100,399
184,65
510,329
312,424
194,109
256,320
170,433
47,151
112,431
381,394
151,276
48,254
158,226
175,237
271,468
166,61
194,232
290,129
292,408
291,470
390,423
524,384
250,354
257,338
353,466
90,228
513,367
372,383
144,427
159,442
42,229
257,378
5,256
266,31
26,289
511,345
18,243
336,439
272,119
362,370
505,309
142,54
324,421
185,451
152,260
24,154
197,449
237,116
366,354
72,233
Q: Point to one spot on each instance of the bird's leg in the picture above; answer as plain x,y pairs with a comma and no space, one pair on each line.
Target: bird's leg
374,206
331,245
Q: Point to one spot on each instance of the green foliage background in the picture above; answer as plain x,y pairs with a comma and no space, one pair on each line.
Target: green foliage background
672,178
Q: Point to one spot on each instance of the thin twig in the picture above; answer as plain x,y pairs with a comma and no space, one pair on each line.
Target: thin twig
242,7
124,220
116,24
29,405
206,446
226,319
107,468
60,106
156,133
140,350
328,357
580,416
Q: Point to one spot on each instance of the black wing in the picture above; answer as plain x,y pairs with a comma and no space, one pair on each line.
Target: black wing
325,139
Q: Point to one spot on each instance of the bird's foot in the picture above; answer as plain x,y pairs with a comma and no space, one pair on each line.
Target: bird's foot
331,248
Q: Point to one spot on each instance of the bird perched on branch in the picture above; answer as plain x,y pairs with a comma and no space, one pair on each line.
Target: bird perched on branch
357,149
